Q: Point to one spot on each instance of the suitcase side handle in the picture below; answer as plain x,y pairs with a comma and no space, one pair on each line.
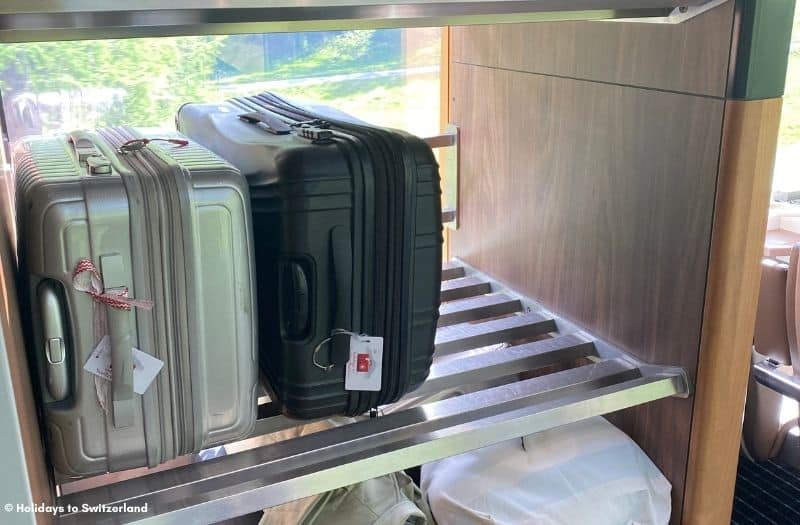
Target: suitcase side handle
54,340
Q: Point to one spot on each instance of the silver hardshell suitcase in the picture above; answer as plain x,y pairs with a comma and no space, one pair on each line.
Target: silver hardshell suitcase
135,249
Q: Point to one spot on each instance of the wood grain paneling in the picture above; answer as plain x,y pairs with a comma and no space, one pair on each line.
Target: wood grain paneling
690,57
596,200
740,218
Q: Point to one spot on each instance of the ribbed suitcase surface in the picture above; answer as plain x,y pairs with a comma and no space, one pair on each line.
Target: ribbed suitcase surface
348,239
171,223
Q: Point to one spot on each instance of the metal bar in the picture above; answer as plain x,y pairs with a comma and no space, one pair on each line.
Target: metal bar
440,141
768,373
464,287
449,169
460,337
448,215
279,423
452,271
301,467
86,19
475,308
503,363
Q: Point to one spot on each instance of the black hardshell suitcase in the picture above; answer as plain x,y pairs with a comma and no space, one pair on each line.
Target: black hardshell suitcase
348,240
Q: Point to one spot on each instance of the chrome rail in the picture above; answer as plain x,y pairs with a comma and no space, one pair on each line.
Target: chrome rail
768,373
46,20
489,382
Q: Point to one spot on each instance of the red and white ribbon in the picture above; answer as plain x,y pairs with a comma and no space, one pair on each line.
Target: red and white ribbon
86,278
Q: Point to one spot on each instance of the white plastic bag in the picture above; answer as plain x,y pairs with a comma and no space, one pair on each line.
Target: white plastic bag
588,472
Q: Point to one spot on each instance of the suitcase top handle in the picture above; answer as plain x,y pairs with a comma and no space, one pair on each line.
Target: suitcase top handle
137,144
317,131
269,123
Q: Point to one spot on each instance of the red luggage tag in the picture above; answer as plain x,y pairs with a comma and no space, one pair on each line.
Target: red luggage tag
364,368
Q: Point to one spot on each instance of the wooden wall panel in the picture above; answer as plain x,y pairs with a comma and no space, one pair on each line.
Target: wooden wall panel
597,200
690,57
740,221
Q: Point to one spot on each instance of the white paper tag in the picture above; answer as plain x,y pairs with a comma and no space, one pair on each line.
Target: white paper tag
363,371
99,363
145,370
145,366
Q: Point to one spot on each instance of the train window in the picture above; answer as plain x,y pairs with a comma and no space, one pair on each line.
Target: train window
389,77
786,182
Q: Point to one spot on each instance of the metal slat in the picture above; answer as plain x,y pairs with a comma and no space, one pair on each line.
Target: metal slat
448,215
463,287
271,475
504,362
451,271
475,308
460,337
88,19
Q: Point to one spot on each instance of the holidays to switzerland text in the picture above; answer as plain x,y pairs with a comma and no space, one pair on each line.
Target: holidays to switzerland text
43,508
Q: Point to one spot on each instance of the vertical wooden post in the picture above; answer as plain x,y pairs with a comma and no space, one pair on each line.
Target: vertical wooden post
749,142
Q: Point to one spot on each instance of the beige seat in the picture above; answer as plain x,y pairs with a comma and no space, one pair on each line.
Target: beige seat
769,416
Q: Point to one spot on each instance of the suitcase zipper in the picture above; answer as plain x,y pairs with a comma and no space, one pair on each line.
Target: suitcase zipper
163,174
164,229
151,217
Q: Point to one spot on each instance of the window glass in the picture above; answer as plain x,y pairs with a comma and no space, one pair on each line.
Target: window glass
787,162
388,77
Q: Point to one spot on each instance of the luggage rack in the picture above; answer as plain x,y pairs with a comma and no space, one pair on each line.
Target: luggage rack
488,336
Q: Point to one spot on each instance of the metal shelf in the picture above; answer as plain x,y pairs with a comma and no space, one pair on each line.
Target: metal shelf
87,19
483,357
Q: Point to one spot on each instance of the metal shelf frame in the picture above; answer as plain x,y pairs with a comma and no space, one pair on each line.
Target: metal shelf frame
474,397
47,20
